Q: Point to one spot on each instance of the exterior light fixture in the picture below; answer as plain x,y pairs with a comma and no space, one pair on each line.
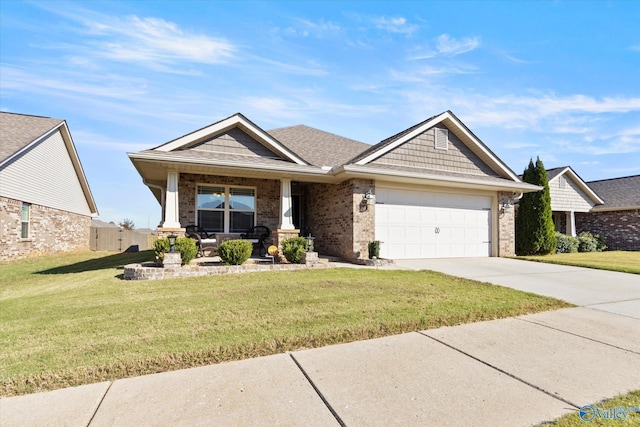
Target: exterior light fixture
172,243
310,243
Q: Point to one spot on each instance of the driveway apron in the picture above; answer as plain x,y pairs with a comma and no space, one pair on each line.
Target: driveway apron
603,290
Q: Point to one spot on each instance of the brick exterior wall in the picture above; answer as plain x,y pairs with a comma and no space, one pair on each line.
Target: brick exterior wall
335,218
506,227
621,229
50,230
267,196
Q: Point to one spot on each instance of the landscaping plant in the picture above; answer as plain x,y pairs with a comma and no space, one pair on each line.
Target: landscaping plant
566,244
293,248
184,245
235,252
535,232
374,249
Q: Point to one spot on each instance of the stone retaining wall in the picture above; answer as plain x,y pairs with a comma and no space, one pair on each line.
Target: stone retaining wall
152,272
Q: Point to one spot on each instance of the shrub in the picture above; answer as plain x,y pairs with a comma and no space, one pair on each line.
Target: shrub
601,246
235,252
535,232
588,243
293,248
374,249
184,245
566,244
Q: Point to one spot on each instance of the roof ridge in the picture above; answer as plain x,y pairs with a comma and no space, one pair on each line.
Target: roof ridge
612,179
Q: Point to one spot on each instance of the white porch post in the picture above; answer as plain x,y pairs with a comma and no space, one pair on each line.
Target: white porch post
571,223
171,210
286,207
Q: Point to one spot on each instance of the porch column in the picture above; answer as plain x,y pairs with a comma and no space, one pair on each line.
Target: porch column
286,207
571,224
171,210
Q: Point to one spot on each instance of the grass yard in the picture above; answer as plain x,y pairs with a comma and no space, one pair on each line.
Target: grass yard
626,262
626,401
69,319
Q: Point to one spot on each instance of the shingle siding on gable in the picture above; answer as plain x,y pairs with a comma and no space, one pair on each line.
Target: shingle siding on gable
45,175
569,198
420,152
234,141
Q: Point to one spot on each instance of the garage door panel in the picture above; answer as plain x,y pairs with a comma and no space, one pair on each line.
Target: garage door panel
458,227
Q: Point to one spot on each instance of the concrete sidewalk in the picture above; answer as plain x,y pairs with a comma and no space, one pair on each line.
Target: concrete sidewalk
510,372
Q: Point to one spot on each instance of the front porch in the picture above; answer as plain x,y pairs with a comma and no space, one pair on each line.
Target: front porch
228,205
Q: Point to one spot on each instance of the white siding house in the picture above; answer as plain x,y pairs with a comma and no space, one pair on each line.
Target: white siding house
46,204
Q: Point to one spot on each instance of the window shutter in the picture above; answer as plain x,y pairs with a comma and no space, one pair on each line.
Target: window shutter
442,138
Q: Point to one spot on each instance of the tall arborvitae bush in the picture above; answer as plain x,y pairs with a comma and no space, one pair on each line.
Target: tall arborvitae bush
535,232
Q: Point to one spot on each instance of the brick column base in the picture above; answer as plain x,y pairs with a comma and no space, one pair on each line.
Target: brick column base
164,232
279,236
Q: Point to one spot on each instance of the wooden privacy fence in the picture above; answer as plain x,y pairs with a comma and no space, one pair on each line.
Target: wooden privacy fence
119,239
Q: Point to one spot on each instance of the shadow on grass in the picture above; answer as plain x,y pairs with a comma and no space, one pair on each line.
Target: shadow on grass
110,261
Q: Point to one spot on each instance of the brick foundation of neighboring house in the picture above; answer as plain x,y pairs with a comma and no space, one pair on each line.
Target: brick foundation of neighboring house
621,229
50,231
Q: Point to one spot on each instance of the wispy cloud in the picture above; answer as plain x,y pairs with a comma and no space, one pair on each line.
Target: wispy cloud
636,48
395,25
448,45
155,41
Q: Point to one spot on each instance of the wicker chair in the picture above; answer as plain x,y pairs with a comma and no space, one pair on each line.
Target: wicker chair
204,240
257,236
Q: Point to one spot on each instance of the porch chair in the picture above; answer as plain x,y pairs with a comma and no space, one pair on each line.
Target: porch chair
204,240
257,236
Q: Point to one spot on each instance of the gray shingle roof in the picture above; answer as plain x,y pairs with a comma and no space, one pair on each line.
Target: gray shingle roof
552,173
618,192
318,147
19,130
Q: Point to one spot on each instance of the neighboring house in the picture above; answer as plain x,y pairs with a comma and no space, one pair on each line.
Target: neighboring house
618,219
45,201
433,190
569,195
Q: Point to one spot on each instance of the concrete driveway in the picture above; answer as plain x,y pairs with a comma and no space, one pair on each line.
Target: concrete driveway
609,291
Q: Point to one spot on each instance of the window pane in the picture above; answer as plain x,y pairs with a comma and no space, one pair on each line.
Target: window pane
25,212
242,199
25,230
210,197
240,221
211,221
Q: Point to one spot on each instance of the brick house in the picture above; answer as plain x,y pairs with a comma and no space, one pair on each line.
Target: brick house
433,190
618,218
45,201
570,195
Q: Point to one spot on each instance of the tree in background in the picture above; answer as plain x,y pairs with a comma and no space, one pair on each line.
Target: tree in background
535,232
127,224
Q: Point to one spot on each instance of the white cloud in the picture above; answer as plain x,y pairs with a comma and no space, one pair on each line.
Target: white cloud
448,45
636,48
395,25
154,40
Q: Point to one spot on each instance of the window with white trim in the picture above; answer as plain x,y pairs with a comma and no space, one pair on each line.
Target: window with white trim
225,209
26,217
441,138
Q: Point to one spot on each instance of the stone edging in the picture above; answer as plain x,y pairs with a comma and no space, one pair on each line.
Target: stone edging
150,271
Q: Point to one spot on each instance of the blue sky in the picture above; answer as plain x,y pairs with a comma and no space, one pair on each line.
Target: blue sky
559,80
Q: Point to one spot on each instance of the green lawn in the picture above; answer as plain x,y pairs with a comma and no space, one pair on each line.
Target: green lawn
71,319
626,262
629,401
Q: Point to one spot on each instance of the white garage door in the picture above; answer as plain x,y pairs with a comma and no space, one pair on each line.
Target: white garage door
419,224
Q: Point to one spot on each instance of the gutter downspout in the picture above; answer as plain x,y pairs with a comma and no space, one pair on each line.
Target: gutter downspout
162,197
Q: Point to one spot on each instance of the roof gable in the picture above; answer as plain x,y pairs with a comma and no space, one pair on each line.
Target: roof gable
318,147
233,141
445,120
18,131
56,177
554,176
216,130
